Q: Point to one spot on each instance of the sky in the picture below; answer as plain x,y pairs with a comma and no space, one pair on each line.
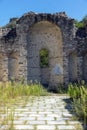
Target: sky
16,8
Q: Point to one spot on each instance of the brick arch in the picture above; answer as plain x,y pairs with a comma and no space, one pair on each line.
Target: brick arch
46,35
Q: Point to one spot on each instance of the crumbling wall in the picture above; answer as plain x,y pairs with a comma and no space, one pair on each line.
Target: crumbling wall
20,49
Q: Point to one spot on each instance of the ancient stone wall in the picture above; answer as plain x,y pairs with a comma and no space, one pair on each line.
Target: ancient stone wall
67,47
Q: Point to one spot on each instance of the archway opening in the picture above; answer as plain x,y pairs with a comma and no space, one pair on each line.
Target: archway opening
73,67
12,66
2,72
44,36
84,65
44,58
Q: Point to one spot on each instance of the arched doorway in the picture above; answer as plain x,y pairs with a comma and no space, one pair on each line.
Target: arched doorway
84,65
44,66
12,66
2,72
72,67
45,35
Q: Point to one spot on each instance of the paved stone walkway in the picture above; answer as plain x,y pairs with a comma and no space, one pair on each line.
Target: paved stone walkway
42,113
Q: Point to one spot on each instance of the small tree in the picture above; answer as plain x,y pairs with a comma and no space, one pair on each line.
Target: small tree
79,24
82,23
85,20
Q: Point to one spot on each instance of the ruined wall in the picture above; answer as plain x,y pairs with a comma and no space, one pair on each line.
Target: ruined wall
66,27
20,49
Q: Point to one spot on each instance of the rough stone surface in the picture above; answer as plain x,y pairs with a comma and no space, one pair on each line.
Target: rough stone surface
20,49
41,113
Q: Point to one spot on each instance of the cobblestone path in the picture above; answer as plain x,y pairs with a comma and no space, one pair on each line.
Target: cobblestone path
42,113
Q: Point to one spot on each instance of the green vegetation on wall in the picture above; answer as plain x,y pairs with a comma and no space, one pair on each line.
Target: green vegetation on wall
12,23
82,23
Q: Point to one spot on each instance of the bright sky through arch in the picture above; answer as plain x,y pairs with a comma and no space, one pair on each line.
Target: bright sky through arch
15,8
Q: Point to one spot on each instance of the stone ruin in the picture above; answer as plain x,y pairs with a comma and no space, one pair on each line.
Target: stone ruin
20,48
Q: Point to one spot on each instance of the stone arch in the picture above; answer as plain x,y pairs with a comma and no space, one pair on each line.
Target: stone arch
84,66
12,66
72,66
31,18
47,35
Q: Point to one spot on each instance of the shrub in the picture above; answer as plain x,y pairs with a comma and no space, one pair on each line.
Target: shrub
78,94
79,24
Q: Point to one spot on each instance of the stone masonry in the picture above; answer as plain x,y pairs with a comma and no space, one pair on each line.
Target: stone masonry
20,49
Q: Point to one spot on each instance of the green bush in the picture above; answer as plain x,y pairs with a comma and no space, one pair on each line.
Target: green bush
82,23
79,24
78,94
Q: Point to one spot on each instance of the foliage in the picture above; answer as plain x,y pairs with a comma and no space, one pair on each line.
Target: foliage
44,58
85,19
79,24
82,23
78,94
11,24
